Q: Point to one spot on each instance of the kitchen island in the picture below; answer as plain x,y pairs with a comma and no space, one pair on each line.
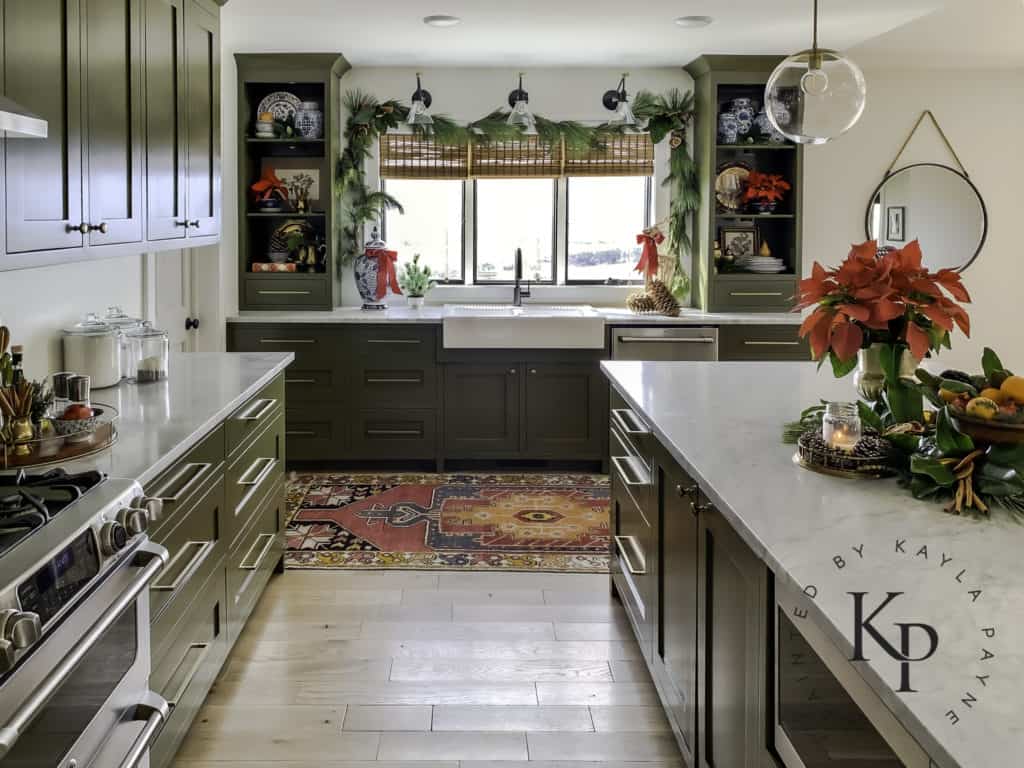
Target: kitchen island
763,529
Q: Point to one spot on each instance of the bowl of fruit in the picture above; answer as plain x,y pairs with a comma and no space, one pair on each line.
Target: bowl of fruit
988,407
77,423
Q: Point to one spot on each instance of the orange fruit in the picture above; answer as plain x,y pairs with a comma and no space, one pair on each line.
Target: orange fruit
995,395
1013,388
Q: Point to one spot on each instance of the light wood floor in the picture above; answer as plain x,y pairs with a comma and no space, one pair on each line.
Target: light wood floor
415,670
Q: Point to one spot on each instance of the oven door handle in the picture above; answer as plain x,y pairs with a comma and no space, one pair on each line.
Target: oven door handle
152,557
154,710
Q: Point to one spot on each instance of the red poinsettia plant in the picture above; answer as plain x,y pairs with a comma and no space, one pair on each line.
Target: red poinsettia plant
885,297
767,187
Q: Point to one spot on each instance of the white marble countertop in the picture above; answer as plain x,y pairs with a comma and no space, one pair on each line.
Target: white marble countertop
161,421
722,422
433,314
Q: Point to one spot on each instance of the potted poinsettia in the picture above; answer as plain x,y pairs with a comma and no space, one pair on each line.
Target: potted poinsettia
764,191
881,312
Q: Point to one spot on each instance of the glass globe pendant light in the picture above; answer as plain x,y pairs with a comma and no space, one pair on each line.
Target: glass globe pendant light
618,100
521,117
419,109
816,95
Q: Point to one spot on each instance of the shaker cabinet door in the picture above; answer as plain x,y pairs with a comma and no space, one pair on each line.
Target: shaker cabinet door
113,95
42,63
561,404
481,410
165,119
202,65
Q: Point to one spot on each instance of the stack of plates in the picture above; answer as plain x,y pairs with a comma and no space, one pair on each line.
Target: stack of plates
768,265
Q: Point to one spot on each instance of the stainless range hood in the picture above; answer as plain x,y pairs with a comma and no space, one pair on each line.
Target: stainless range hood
18,123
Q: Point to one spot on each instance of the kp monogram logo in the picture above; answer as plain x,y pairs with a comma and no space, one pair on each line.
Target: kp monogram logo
900,653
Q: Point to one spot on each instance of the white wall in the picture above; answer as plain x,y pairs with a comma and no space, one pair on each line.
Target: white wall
37,303
980,112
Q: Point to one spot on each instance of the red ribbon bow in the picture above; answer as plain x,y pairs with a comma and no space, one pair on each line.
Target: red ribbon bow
648,263
386,274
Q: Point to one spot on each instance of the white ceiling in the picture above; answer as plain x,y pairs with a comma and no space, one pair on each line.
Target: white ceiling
555,32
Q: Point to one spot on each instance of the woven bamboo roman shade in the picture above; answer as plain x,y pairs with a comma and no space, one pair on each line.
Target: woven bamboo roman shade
405,156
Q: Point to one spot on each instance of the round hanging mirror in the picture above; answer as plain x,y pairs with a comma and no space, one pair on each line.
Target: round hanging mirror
935,204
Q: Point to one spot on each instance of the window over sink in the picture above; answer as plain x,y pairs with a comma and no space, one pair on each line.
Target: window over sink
604,216
510,214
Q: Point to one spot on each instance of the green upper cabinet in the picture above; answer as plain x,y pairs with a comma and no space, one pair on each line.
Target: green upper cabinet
132,98
44,176
113,96
202,74
165,119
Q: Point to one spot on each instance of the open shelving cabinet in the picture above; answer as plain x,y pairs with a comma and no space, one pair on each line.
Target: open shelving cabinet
310,77
722,287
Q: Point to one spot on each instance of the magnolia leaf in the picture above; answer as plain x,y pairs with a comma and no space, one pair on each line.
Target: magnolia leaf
990,363
869,417
904,400
948,439
942,474
960,387
922,487
1011,456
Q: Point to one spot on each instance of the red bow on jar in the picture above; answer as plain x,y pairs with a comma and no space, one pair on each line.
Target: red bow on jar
650,239
386,274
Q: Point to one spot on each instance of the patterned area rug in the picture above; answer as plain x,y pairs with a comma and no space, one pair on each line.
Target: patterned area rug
523,522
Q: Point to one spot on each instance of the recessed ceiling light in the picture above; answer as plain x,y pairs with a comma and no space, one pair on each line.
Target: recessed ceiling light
693,22
441,20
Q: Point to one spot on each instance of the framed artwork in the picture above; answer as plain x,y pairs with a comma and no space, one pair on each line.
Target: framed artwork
896,223
739,243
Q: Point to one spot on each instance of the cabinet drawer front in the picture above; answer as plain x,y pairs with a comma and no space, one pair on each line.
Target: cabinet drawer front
386,387
185,670
314,435
395,434
256,470
196,548
315,347
181,486
754,295
763,342
286,292
253,560
412,344
631,568
305,384
255,415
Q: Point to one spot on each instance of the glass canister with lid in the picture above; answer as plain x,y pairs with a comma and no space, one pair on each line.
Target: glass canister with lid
124,323
149,352
93,348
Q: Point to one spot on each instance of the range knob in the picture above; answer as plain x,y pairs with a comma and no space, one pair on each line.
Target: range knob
20,628
154,507
6,655
113,538
135,521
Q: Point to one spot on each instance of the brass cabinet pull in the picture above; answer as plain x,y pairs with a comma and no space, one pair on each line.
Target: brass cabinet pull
624,554
772,343
394,432
204,651
756,293
393,341
300,433
258,410
200,551
263,292
635,477
287,341
263,553
393,381
300,381
201,470
620,416
268,465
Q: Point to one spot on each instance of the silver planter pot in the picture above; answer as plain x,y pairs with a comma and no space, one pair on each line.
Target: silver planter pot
869,376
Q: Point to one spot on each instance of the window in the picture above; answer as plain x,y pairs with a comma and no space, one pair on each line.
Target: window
510,214
431,225
604,217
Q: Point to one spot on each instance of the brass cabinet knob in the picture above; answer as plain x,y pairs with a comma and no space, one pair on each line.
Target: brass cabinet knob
511,371
103,228
82,229
194,223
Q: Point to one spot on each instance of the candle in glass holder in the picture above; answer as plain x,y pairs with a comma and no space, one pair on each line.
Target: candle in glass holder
841,428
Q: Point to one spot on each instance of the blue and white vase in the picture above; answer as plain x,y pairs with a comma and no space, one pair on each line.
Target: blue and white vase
728,128
309,120
366,268
745,109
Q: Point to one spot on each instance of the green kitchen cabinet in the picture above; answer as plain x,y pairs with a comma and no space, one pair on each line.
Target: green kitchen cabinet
564,408
166,120
202,76
42,45
482,410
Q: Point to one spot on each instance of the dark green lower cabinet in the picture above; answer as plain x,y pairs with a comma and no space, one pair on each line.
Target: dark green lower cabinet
564,406
482,410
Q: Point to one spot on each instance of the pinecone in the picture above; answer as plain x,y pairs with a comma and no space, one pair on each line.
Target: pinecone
664,302
640,303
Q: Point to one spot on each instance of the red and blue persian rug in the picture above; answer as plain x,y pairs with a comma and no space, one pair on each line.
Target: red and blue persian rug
524,522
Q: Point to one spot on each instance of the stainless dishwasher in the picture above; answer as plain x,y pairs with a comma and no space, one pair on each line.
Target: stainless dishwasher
671,343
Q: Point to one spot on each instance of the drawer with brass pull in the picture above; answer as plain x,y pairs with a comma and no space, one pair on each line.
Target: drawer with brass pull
252,561
313,433
251,475
412,344
757,294
763,342
387,434
287,291
316,347
378,385
255,415
181,486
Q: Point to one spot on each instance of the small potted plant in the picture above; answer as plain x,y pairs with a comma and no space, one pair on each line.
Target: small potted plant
764,191
415,281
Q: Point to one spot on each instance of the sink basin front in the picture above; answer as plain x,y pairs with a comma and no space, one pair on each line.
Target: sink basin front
532,326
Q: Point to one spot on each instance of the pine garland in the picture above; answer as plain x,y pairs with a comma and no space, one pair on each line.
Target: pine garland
368,118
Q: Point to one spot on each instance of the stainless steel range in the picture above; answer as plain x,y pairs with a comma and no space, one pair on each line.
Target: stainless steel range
75,569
